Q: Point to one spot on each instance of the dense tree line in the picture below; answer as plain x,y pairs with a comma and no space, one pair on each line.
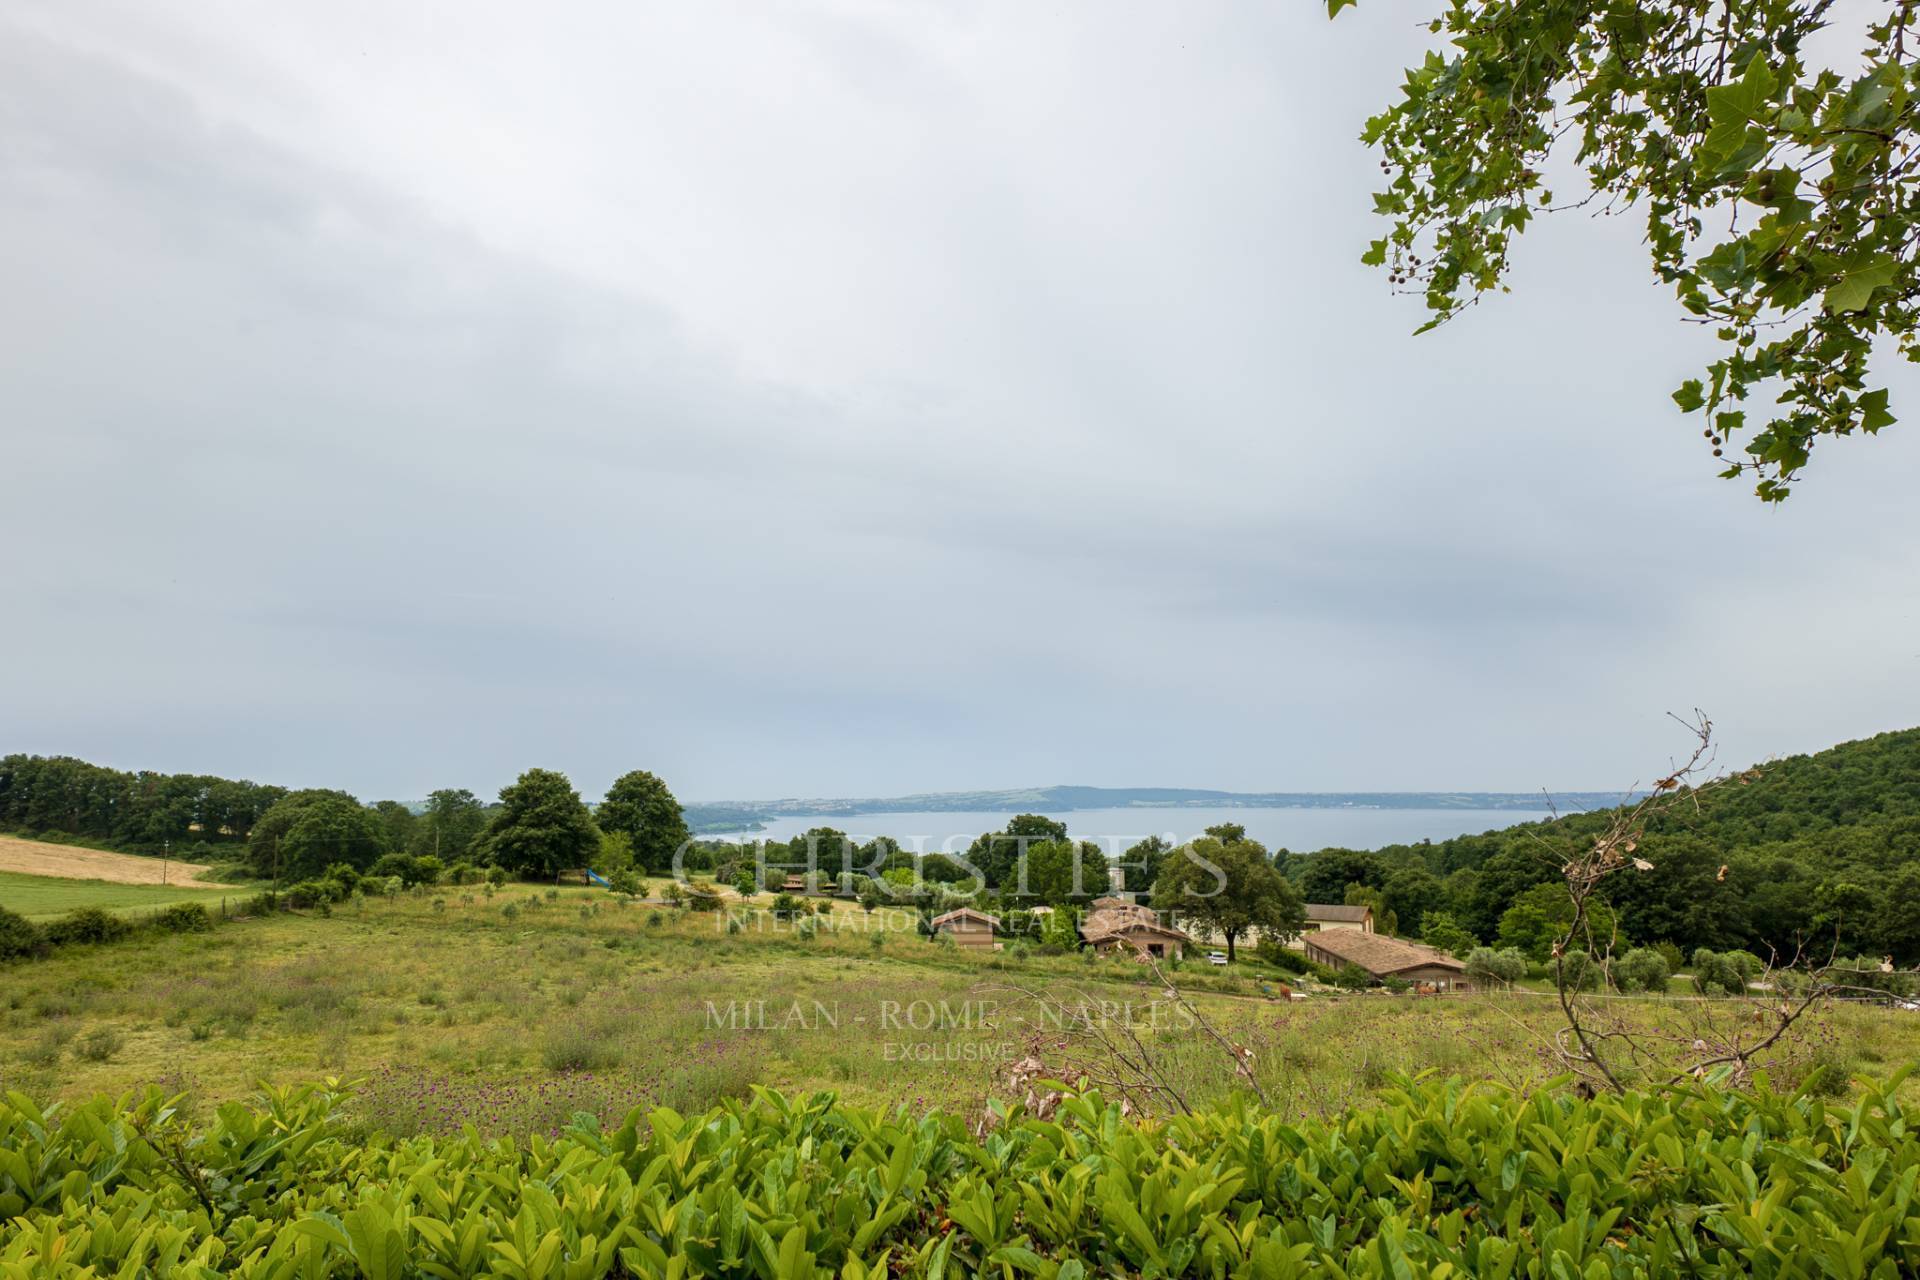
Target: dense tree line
539,826
141,811
1819,849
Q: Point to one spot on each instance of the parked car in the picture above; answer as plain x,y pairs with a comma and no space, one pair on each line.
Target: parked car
1216,957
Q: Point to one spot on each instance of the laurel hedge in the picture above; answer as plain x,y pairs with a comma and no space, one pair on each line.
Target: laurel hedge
1443,1180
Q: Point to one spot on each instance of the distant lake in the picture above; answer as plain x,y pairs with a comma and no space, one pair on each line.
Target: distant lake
1301,830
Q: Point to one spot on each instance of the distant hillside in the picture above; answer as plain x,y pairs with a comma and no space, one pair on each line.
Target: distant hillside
1822,849
733,815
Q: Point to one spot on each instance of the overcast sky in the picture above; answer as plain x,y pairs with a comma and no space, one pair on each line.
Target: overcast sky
851,399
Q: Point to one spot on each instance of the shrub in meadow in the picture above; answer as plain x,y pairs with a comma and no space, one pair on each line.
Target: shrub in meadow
347,876
1642,969
1724,972
1578,971
98,1045
183,917
20,938
393,864
86,925
579,1046
1490,969
303,896
1351,977
1276,953
44,1053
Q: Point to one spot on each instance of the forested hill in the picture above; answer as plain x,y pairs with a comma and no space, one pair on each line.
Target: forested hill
1814,847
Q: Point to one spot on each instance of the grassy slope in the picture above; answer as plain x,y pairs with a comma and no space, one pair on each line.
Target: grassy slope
457,1012
44,897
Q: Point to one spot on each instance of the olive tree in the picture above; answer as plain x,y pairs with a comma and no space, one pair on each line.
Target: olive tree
1489,968
1642,969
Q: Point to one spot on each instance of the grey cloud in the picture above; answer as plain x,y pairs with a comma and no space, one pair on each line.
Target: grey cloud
1028,420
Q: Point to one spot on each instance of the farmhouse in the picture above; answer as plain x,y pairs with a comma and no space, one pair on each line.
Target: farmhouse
1322,916
1382,957
968,928
1115,923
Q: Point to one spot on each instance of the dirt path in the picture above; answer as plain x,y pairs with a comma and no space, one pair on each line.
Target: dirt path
32,857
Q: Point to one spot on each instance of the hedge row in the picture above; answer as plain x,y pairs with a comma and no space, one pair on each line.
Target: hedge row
1442,1180
22,939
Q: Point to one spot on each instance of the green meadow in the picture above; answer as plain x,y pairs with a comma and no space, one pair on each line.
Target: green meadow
41,898
515,1010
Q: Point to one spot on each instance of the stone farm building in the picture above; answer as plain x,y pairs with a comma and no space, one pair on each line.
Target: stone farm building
1383,957
1114,924
968,928
1323,916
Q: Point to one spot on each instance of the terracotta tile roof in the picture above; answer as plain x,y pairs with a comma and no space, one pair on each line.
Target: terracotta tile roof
1378,954
1129,929
1116,917
967,913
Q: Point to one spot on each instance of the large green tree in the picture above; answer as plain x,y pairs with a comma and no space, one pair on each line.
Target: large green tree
1540,918
272,852
639,805
826,849
1899,917
453,820
1772,160
1410,893
996,853
310,831
397,823
1142,863
1324,876
1229,887
1058,873
541,828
